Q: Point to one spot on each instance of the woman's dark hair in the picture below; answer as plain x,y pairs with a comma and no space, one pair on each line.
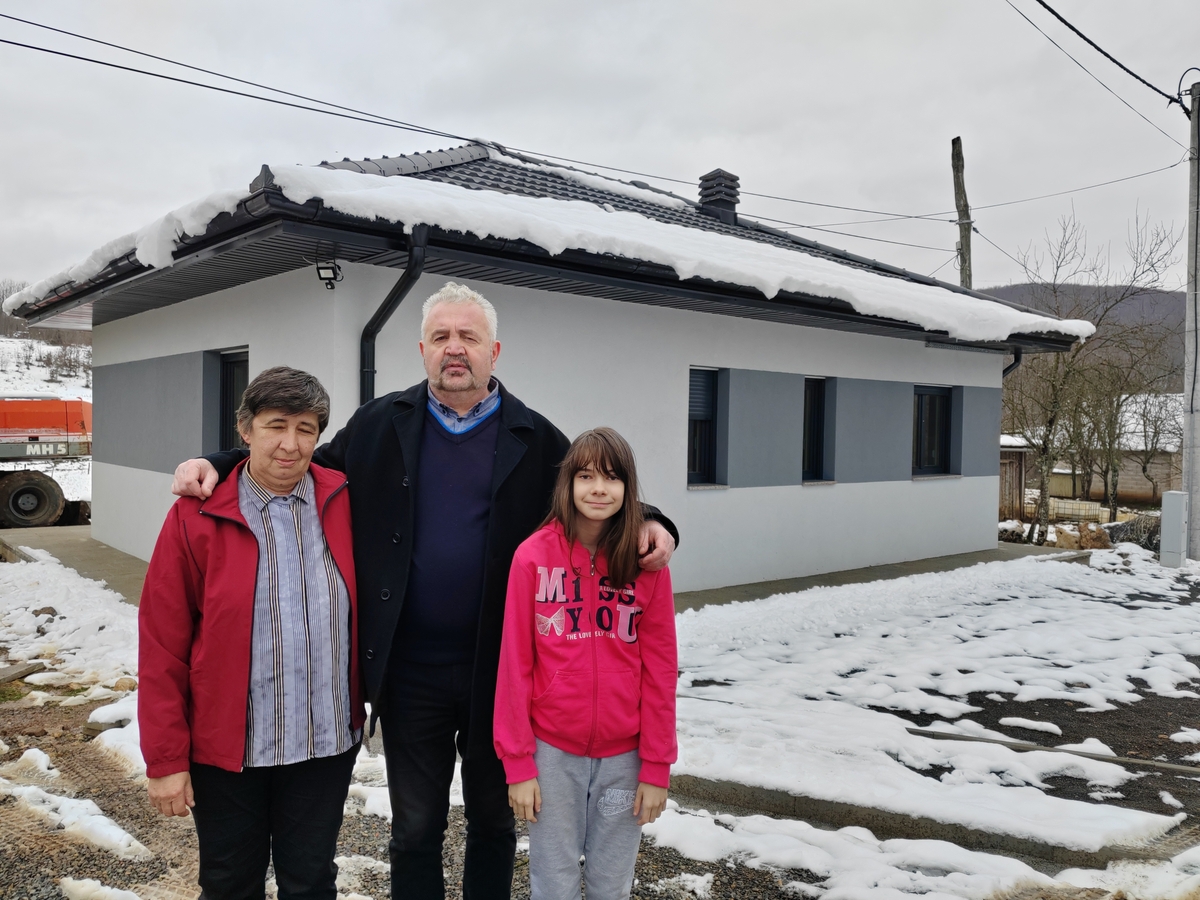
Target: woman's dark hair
605,451
286,389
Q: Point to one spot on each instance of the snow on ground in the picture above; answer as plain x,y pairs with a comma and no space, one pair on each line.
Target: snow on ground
785,693
81,817
24,368
77,627
558,225
90,889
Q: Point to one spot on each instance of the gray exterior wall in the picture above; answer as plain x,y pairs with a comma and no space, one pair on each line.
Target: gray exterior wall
155,413
975,431
763,418
871,425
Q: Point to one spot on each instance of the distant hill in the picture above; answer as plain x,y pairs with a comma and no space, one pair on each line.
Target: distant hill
1165,307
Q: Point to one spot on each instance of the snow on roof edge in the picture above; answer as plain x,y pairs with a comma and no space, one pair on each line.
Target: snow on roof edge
556,225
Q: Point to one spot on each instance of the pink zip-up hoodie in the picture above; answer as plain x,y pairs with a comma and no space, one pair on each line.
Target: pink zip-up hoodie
587,667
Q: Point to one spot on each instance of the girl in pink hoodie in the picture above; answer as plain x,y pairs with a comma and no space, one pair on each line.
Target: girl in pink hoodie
585,699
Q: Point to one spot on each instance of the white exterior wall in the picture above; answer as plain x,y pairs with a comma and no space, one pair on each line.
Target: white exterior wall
584,362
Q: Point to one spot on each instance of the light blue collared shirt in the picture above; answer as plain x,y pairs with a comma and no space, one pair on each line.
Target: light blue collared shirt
476,415
299,699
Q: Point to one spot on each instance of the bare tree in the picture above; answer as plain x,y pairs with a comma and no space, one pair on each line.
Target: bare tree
1154,427
1042,399
10,326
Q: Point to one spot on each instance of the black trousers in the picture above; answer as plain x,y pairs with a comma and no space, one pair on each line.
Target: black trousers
424,718
289,814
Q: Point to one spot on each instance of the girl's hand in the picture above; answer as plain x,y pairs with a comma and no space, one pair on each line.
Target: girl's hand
651,800
525,798
171,795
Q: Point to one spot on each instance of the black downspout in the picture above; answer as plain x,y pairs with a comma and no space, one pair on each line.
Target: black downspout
1012,366
417,243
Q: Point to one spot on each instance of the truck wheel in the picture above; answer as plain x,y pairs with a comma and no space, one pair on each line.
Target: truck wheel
28,499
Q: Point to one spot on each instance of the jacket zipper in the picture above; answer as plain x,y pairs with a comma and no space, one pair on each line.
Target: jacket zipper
595,672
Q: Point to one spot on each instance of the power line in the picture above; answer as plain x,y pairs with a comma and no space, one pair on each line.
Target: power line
254,84
1090,74
997,246
353,114
861,237
953,257
213,87
1088,187
1124,68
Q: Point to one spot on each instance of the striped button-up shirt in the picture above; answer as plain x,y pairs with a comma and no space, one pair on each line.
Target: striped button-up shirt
299,703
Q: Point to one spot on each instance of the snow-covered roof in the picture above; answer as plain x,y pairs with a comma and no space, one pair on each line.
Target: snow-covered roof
489,194
1013,442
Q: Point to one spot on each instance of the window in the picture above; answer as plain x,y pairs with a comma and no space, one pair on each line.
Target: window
235,375
814,429
702,427
931,431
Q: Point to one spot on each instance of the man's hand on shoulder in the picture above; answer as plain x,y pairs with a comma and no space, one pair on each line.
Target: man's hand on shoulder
655,546
194,478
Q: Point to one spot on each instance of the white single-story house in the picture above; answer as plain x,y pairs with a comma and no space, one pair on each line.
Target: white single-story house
795,408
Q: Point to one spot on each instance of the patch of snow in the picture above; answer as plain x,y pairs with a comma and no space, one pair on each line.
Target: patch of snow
1187,736
33,763
1030,725
90,889
558,225
80,817
804,679
1090,745
91,640
850,862
698,885
123,743
24,369
1165,797
151,246
351,870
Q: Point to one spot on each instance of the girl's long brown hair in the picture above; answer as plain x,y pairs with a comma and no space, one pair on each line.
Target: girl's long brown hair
606,451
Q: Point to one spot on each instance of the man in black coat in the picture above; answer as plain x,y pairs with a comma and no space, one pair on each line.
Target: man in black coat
446,479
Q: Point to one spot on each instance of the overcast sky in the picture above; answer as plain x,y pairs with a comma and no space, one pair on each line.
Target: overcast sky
852,103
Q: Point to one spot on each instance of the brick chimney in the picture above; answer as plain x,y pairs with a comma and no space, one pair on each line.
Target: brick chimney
719,195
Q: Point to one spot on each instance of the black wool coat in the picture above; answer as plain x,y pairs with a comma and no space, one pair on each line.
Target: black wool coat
378,450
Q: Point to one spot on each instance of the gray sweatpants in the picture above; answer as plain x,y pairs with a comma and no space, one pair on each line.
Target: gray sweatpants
587,810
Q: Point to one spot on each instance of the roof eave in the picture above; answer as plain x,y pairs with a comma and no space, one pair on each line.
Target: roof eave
268,208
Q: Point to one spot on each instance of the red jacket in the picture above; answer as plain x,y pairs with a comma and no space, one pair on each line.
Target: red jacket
195,620
586,668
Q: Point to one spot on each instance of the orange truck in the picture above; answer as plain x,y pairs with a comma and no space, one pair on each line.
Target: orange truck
37,427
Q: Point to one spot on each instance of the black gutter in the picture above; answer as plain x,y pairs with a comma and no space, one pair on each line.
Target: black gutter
1018,354
417,244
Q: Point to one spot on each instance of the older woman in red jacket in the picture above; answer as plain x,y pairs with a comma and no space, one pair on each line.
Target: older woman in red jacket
251,702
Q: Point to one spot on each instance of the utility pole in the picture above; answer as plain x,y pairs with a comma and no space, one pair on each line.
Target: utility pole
964,213
1191,392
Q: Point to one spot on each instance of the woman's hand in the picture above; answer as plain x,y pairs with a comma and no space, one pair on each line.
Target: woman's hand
651,800
655,546
525,798
171,795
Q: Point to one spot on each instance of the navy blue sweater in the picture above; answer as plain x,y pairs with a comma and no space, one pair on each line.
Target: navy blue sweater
452,507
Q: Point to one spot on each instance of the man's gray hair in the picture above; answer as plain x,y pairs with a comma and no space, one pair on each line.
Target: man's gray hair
452,292
289,390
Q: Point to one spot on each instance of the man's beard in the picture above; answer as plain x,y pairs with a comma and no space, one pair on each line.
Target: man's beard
471,383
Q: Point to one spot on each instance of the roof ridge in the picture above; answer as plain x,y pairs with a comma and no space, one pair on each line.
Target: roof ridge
412,163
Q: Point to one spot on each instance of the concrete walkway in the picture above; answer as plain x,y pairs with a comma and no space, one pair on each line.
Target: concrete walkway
761,589
75,548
